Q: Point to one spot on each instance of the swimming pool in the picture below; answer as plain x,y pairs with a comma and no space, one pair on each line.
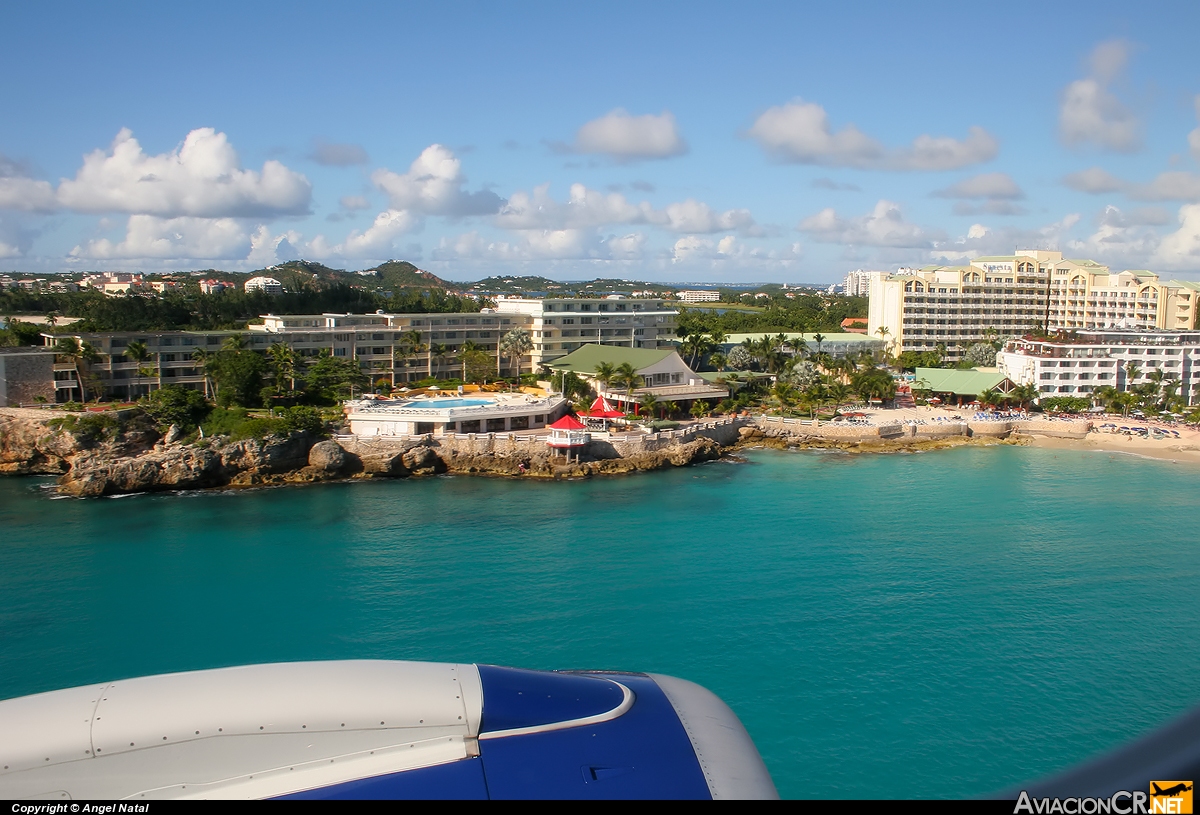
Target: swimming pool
438,404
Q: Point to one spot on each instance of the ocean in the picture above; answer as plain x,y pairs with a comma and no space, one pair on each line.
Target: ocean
913,625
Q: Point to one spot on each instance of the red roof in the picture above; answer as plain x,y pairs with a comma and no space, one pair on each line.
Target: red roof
601,409
568,423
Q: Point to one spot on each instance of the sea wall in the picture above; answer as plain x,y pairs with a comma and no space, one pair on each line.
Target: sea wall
840,432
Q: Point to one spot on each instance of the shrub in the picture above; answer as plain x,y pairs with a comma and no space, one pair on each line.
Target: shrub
175,405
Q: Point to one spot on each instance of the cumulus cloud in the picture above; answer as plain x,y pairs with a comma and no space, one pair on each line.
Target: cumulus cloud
199,178
378,239
1180,250
624,137
800,132
883,226
1094,180
338,155
147,236
588,208
993,186
21,192
1177,185
433,185
981,239
1091,113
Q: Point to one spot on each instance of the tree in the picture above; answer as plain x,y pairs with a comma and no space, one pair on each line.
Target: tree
717,360
803,375
234,342
77,353
699,408
1024,394
237,375
206,361
175,405
670,408
818,338
331,378
627,377
476,363
738,358
408,345
515,345
981,355
838,394
647,404
873,383
137,352
570,384
606,374
992,397
695,345
283,362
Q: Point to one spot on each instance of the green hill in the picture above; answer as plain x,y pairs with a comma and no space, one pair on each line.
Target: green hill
400,274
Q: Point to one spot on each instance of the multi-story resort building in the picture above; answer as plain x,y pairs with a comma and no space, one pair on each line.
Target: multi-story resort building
699,295
1084,362
556,327
1005,296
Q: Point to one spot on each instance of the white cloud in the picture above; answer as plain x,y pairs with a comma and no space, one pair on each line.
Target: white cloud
433,185
983,240
993,186
583,208
800,132
1094,180
1090,112
19,191
338,155
693,216
1180,250
1177,185
147,236
624,137
376,241
883,226
587,208
626,247
199,178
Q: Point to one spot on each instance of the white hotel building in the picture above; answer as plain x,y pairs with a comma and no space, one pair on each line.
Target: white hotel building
960,305
1093,359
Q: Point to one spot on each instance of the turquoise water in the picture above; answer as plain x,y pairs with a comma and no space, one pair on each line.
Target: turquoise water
941,624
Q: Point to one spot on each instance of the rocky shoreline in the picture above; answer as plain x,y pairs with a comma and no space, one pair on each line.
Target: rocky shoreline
143,460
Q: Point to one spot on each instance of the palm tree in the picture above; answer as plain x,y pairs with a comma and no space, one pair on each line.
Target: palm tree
883,333
699,408
439,352
1024,394
627,377
992,397
818,338
234,342
696,345
647,404
606,373
670,409
408,345
283,360
75,353
514,345
463,351
1132,372
205,361
838,394
137,352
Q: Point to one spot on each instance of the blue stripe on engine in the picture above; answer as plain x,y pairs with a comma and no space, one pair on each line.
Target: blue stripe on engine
515,698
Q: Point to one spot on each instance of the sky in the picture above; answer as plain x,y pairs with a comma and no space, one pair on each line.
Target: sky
694,141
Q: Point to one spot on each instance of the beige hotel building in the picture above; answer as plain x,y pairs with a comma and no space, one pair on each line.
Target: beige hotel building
960,305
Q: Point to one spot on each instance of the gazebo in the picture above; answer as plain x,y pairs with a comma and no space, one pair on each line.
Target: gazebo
599,414
568,434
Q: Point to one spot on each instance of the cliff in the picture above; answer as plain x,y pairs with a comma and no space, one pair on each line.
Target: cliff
107,456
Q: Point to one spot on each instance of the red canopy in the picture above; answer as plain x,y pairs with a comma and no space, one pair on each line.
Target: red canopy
601,409
568,423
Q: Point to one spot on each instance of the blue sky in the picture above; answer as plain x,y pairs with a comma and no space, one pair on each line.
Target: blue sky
690,141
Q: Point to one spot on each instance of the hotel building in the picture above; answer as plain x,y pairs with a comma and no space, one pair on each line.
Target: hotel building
556,327
1010,295
1093,359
